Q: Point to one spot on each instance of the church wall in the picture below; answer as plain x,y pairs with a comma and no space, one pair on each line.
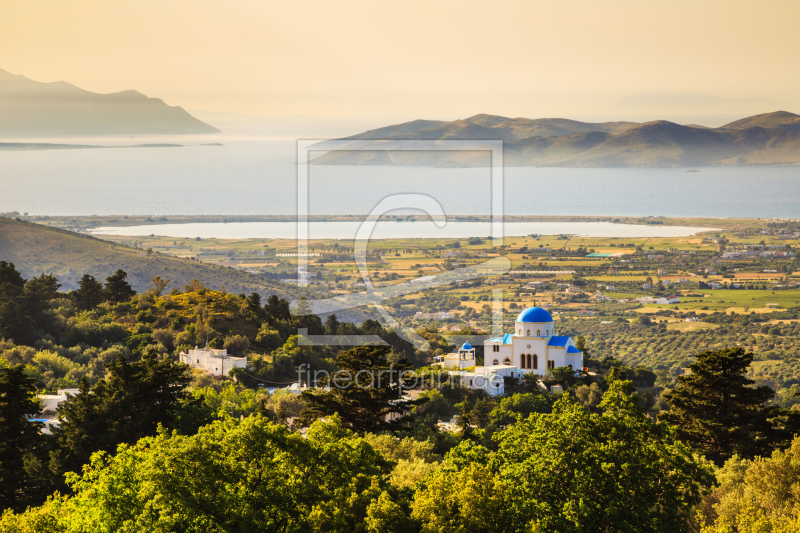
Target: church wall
575,359
489,355
538,346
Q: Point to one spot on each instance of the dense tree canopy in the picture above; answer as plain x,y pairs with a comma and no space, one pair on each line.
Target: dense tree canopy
757,495
20,440
572,470
15,322
716,409
365,392
130,403
249,476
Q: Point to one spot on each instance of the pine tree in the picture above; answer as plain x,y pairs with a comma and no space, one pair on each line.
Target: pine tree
481,412
15,322
89,294
117,289
38,294
365,392
278,308
20,438
130,403
716,410
331,325
464,417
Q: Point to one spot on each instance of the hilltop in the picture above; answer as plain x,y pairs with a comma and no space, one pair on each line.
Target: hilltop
30,108
770,138
778,119
35,249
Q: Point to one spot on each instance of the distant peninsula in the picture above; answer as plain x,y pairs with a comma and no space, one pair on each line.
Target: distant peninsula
22,147
766,139
34,109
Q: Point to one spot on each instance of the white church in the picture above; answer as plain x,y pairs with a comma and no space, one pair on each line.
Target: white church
533,347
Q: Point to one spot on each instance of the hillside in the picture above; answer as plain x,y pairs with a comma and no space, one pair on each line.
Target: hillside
771,138
35,249
779,119
30,108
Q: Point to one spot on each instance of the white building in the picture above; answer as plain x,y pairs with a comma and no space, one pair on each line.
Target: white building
463,358
461,365
50,402
487,378
664,300
533,347
215,362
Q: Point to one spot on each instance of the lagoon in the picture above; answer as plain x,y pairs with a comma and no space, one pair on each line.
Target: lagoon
394,230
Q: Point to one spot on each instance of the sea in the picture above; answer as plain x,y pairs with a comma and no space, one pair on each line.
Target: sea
252,175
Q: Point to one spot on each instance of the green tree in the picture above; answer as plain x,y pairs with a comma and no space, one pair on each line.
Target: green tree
481,412
130,403
268,338
386,516
117,289
472,500
364,392
89,293
15,322
331,325
159,285
20,439
589,395
520,406
754,496
580,343
617,470
38,294
464,417
278,308
717,411
244,476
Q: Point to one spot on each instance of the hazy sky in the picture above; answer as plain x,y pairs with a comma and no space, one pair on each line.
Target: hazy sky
408,58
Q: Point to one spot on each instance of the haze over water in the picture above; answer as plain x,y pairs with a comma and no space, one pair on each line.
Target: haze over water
252,176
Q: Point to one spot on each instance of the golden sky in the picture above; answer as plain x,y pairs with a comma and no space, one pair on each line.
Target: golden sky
408,58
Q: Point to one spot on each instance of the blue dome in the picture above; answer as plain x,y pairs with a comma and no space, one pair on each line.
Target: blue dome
467,346
534,314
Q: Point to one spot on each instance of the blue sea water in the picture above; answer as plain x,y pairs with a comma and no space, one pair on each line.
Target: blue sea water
252,176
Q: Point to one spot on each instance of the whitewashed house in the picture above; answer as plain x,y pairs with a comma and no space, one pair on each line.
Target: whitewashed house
215,362
461,365
50,402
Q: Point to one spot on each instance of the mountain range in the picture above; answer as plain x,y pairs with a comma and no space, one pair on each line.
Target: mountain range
769,138
30,108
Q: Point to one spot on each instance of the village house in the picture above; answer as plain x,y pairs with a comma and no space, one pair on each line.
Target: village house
50,402
441,315
598,297
215,362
